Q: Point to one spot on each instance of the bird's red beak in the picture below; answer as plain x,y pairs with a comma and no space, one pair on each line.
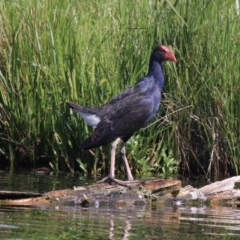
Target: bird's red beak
170,56
167,54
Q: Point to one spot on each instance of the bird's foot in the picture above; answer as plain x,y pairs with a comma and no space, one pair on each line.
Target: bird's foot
128,183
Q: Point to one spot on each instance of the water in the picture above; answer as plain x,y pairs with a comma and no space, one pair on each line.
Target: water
152,221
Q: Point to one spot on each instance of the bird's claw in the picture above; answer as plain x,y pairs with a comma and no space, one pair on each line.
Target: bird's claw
111,179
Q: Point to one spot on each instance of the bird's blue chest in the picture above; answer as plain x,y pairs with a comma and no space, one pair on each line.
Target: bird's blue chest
155,99
150,88
152,101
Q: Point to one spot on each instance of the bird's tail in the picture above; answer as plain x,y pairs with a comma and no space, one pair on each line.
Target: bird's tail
81,109
74,106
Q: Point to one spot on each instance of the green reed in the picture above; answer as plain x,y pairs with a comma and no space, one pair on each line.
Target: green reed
88,51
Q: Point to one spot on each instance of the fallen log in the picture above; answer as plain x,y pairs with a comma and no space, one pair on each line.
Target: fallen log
224,192
17,195
100,193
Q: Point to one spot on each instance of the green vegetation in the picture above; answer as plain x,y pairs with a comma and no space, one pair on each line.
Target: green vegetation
88,51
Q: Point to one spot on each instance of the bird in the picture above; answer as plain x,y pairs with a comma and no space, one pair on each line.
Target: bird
126,113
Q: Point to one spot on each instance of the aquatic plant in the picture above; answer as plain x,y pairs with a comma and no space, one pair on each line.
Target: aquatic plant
88,51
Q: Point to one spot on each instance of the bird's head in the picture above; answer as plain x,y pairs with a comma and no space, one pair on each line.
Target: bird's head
163,53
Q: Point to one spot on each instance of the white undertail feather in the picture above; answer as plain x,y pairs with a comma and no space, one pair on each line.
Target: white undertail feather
91,119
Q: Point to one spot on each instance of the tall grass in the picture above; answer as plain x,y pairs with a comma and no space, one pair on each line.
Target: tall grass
88,51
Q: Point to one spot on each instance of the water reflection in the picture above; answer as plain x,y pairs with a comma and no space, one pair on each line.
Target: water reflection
149,222
152,221
35,182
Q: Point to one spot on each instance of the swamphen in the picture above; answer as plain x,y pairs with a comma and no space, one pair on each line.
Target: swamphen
126,113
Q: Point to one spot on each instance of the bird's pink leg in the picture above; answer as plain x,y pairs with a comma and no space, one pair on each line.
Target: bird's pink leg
128,170
111,175
113,157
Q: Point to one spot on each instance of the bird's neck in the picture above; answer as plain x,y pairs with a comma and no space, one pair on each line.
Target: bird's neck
155,71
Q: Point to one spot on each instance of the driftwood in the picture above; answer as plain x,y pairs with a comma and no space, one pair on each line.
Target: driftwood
17,195
100,193
225,192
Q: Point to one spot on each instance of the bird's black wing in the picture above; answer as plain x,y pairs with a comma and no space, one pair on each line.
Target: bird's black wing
121,119
131,91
